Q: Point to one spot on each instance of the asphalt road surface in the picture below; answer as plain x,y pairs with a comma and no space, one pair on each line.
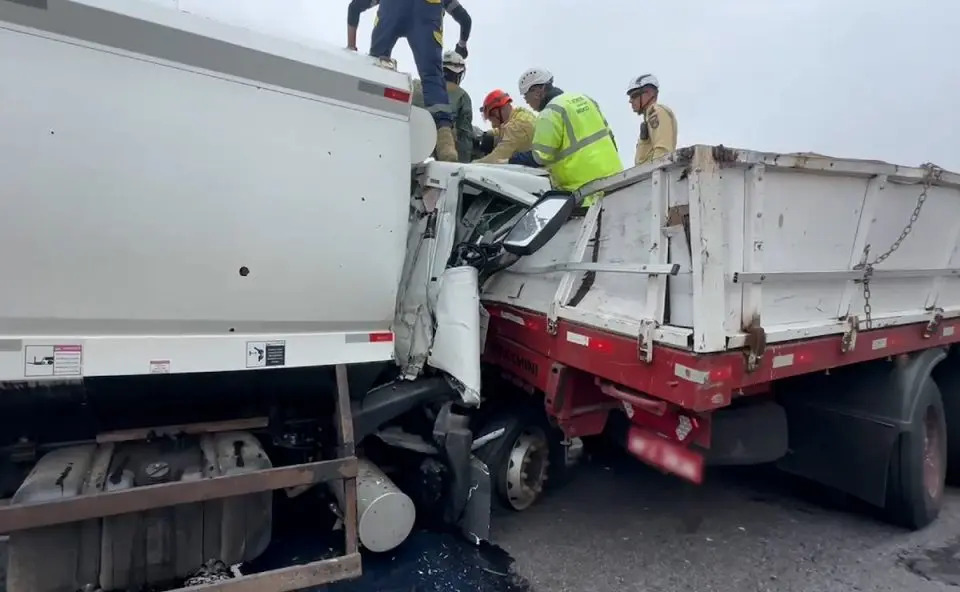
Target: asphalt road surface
619,527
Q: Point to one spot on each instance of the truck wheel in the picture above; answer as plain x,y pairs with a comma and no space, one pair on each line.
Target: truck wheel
918,464
523,459
947,377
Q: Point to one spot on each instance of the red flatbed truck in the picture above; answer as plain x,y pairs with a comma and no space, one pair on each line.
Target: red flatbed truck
733,307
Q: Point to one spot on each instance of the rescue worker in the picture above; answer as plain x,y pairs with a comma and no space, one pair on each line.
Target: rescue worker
512,127
571,137
658,132
454,69
421,22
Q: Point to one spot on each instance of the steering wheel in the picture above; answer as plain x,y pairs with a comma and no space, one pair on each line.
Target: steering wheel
469,254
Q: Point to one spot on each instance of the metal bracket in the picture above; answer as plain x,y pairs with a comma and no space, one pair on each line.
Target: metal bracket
756,344
634,268
648,328
552,326
500,189
849,340
859,273
934,323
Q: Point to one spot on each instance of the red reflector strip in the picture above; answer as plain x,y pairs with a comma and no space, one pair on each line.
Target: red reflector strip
381,337
396,94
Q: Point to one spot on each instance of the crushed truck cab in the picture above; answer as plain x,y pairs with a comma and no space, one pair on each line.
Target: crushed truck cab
223,286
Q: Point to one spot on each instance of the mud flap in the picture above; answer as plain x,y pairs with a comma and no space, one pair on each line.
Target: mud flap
843,426
454,439
475,523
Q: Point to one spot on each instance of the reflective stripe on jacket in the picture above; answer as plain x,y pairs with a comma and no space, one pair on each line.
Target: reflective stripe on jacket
574,142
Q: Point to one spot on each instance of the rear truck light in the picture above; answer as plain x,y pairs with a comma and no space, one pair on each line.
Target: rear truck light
721,373
397,94
591,343
382,337
600,345
532,325
665,455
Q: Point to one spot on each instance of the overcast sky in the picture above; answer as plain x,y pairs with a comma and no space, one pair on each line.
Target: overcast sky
873,79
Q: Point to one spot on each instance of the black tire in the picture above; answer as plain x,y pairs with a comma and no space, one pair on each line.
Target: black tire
947,377
517,423
918,464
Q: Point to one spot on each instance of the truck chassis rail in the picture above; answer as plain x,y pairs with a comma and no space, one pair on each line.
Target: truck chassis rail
695,382
677,405
18,517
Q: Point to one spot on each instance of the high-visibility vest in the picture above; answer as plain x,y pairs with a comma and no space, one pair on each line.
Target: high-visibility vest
573,141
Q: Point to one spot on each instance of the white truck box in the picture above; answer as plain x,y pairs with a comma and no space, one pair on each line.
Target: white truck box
771,240
181,195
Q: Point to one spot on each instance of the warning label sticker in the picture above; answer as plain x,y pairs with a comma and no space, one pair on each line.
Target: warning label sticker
159,366
262,354
52,360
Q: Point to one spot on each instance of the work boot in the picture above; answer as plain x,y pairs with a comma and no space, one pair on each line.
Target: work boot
446,145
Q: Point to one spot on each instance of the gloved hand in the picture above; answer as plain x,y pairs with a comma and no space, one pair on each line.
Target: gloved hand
485,142
461,48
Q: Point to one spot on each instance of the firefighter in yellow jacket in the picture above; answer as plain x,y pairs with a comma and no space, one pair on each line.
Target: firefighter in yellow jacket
512,128
658,132
571,138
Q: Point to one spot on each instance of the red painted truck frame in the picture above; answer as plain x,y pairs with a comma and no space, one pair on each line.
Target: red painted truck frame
585,373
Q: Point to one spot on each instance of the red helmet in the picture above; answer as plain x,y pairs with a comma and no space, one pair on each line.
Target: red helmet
495,100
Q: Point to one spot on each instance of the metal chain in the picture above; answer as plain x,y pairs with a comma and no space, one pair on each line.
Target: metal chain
932,173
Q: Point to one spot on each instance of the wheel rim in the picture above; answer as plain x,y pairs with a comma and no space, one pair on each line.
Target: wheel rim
527,468
932,457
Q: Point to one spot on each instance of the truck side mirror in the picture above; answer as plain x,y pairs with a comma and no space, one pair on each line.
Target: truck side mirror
539,224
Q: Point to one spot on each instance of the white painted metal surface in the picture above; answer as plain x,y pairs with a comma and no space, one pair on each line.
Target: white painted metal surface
773,237
457,336
450,324
177,189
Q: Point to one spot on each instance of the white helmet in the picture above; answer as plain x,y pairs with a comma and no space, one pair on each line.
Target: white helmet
454,62
533,77
641,81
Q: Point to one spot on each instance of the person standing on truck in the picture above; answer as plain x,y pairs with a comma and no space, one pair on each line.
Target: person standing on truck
454,69
421,22
512,128
571,137
658,132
